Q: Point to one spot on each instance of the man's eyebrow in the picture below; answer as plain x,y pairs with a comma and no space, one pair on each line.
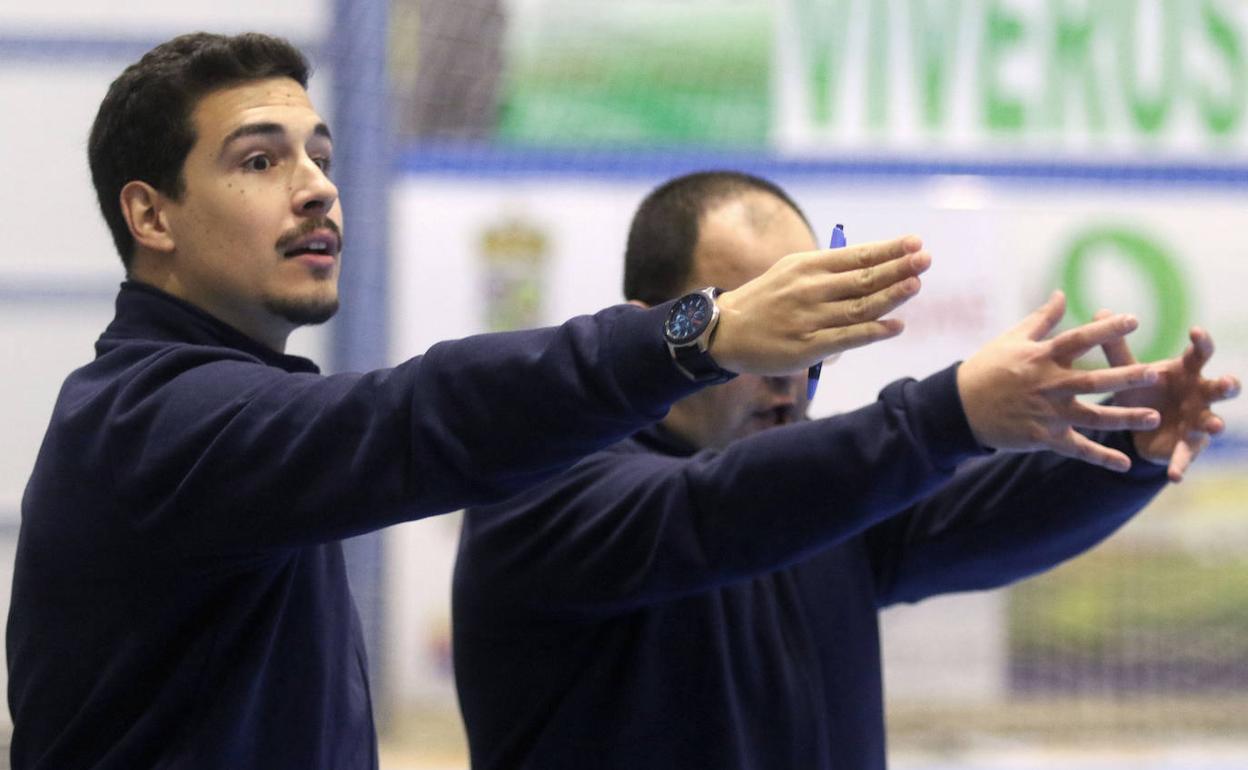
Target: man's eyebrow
253,129
275,130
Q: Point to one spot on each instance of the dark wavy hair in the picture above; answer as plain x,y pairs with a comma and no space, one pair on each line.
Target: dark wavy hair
664,233
143,130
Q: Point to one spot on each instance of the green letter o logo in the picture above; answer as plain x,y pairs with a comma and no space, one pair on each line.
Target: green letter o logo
1153,264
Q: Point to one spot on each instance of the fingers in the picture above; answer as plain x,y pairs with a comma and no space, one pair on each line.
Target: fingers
1224,388
1102,417
873,278
832,341
1200,351
1069,345
1228,387
1044,319
858,310
1180,461
1110,380
1117,352
1185,453
863,255
1080,447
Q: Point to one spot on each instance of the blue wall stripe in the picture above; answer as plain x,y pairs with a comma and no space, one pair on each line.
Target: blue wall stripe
492,161
72,50
76,50
46,290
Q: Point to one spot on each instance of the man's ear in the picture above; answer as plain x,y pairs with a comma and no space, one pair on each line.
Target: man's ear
143,206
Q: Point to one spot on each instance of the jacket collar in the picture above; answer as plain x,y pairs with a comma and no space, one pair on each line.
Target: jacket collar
147,313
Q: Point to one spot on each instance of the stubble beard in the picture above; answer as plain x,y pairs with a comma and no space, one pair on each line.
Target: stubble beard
303,311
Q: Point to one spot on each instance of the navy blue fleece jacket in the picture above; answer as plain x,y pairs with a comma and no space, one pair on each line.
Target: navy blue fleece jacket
659,608
179,599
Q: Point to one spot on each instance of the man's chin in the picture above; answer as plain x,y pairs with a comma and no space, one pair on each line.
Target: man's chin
304,311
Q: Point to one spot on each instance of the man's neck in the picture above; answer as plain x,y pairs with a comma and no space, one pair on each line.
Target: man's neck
244,320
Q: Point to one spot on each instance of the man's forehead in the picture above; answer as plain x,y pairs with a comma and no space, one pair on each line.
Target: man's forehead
275,100
757,209
740,237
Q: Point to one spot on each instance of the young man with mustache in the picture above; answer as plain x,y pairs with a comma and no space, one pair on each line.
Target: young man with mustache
179,597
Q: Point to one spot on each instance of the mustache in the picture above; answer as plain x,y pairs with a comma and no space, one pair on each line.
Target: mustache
307,227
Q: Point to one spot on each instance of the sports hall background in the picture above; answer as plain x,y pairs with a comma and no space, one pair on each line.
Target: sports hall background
490,153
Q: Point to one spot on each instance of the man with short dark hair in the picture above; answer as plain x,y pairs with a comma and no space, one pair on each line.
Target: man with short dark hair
704,594
179,596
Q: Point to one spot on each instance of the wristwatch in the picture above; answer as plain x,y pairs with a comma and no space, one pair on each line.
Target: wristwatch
689,330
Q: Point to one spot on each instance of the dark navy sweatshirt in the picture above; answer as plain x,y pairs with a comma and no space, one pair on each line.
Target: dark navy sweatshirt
663,609
179,595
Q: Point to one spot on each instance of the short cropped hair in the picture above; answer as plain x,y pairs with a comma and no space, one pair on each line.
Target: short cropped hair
659,257
143,130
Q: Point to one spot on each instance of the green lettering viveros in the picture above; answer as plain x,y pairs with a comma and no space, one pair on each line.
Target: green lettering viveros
1160,272
1151,111
822,41
1003,112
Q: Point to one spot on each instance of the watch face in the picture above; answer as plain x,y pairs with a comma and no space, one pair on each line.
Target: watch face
688,318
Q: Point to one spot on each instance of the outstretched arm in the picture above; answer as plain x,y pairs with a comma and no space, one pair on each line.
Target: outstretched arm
239,454
1005,518
1183,396
1010,516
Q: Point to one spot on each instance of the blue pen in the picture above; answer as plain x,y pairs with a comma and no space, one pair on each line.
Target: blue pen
812,374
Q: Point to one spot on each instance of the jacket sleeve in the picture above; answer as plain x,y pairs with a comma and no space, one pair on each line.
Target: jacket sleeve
632,526
1004,518
211,452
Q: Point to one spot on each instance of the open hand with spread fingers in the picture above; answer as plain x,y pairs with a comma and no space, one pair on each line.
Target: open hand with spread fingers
1020,390
1183,396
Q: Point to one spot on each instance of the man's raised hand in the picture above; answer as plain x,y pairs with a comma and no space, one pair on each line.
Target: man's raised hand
1019,391
815,304
1182,395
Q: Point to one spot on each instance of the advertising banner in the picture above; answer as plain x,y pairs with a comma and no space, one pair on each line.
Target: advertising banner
1131,78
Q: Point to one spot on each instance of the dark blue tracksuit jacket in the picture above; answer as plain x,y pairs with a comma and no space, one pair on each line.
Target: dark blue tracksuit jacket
179,599
663,609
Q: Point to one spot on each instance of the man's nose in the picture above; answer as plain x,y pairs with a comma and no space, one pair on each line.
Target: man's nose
314,192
